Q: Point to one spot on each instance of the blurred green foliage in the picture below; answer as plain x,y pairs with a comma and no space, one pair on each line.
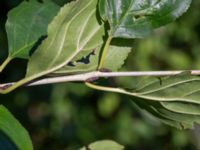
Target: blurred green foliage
68,116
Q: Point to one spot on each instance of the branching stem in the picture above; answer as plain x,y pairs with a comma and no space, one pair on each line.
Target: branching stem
85,76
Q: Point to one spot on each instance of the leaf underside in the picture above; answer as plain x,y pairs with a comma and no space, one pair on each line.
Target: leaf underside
118,50
75,30
174,100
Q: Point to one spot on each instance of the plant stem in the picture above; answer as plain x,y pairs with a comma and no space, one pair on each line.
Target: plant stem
7,88
103,88
5,63
105,51
85,76
112,89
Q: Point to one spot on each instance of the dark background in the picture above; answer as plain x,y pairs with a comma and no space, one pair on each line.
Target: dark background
68,116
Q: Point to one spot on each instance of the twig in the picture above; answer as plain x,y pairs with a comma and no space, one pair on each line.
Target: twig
94,75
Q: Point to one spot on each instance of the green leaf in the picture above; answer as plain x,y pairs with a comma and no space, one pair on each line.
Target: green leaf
104,145
172,118
117,54
137,18
181,107
74,30
118,50
14,130
183,87
26,24
174,100
87,63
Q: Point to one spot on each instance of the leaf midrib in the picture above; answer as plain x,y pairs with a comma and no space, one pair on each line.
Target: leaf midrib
64,38
156,98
